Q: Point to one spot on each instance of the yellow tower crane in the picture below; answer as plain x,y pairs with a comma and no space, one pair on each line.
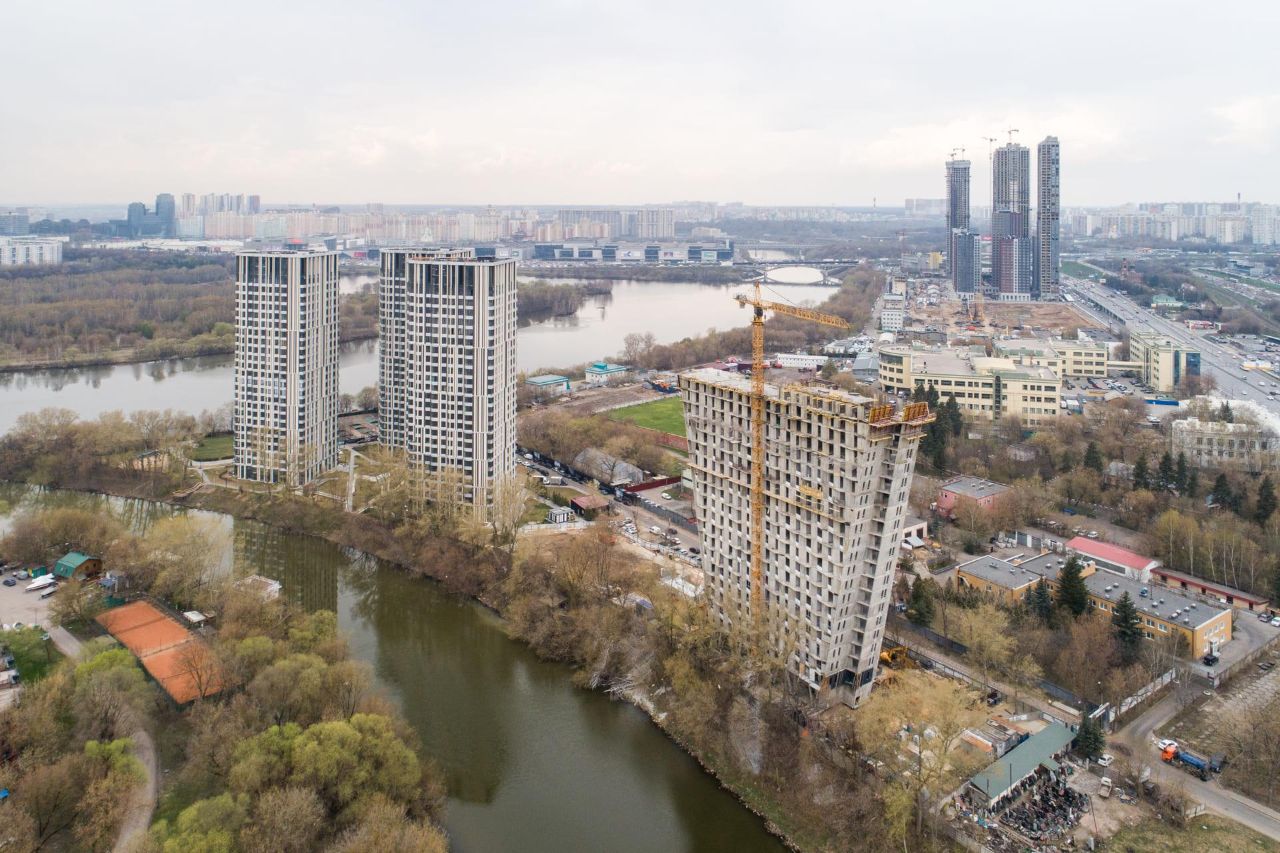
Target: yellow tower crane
759,306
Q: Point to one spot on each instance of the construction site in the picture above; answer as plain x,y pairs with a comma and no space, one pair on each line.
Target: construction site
987,318
817,479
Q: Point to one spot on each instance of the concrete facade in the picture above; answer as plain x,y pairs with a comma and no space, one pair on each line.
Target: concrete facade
29,251
1216,444
837,475
448,357
285,416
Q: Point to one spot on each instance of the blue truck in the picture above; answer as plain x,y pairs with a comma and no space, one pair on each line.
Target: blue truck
1187,760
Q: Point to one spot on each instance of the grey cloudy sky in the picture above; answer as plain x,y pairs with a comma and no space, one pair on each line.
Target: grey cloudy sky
545,102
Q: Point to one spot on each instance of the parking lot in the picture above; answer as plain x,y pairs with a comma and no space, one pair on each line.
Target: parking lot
17,605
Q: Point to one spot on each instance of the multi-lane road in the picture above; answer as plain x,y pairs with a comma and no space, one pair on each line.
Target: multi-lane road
1220,361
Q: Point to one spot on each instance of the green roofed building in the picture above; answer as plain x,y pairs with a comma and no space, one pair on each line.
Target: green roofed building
77,565
1041,750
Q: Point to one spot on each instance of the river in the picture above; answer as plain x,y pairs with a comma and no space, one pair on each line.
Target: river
532,763
670,310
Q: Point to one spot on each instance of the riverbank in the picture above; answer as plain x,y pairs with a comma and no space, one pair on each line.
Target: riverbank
300,516
140,356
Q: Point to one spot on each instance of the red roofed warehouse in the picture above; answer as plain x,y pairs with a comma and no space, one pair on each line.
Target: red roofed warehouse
1113,558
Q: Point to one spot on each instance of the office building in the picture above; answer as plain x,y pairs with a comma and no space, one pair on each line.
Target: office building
1068,359
1162,362
286,366
1012,251
14,225
837,474
448,364
957,208
167,213
1048,219
985,388
29,251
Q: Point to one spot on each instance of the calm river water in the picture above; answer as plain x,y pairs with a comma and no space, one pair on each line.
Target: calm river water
670,310
533,764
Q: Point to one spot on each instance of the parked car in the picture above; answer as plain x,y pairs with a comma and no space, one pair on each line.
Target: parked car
1209,660
1276,621
1264,616
21,575
1166,743
666,496
1106,759
10,582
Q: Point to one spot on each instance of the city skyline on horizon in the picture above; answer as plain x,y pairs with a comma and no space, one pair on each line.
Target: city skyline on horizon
695,110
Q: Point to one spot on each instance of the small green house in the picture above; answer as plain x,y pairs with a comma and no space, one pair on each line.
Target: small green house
77,565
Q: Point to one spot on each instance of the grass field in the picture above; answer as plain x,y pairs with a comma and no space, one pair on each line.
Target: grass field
665,415
1078,270
1203,833
213,447
31,655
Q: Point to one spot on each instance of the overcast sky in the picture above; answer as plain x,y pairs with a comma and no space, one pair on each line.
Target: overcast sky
548,102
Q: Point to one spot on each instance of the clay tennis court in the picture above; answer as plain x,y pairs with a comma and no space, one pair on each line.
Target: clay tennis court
172,655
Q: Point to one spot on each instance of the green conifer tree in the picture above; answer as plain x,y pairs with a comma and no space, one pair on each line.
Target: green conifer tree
1073,595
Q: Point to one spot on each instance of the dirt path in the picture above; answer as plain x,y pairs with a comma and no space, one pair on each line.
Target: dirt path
142,804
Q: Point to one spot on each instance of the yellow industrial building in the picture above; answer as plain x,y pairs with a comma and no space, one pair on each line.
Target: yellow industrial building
1163,612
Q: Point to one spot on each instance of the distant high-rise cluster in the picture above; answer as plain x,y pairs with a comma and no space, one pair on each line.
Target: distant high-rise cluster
1023,267
161,221
1011,252
963,256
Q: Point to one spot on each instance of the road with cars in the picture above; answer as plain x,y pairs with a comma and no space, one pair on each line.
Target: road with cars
1140,736
1220,361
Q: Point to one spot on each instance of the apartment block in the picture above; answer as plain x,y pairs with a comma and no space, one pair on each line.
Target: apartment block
447,366
286,366
986,388
30,251
837,474
1068,359
1162,361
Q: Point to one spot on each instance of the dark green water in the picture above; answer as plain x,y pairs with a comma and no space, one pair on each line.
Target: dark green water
532,763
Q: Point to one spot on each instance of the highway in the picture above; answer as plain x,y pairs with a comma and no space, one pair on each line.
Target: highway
1216,360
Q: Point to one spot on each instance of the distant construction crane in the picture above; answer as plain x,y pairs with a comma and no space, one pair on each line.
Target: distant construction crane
759,306
1011,131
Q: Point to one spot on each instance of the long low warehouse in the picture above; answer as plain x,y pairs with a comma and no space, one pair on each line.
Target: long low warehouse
1021,763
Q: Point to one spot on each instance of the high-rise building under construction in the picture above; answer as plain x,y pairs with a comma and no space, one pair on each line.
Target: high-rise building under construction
837,474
